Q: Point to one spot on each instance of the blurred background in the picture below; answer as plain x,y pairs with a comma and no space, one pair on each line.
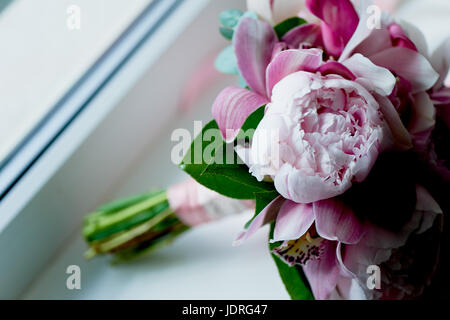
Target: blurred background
90,92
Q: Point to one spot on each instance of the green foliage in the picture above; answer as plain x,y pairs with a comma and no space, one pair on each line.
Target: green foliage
293,277
287,25
214,163
226,61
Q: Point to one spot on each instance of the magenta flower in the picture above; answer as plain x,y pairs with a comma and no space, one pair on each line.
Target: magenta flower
338,23
335,247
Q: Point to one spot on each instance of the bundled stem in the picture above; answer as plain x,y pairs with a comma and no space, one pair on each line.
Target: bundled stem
132,226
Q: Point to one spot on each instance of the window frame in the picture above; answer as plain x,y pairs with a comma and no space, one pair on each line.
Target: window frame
34,222
66,110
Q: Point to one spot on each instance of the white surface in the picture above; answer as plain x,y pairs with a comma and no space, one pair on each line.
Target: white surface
200,265
41,58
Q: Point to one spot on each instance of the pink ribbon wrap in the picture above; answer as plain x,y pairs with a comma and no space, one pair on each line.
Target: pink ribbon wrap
194,204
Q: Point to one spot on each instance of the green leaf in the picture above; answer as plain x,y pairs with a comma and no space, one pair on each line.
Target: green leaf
293,277
227,33
242,83
230,18
287,25
250,125
226,61
214,163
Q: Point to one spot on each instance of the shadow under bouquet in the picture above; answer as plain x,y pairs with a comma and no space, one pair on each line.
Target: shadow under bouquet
337,136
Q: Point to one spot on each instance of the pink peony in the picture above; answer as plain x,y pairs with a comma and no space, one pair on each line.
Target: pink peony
330,133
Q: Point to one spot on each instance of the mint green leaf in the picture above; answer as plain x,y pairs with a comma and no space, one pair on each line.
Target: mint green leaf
230,18
249,14
287,25
227,33
242,83
293,277
215,164
226,61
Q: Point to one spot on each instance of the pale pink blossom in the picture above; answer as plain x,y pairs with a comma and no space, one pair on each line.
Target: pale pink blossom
330,131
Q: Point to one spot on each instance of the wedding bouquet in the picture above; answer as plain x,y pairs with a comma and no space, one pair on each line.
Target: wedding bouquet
337,136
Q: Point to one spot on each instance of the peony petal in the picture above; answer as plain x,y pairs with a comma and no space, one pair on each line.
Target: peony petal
333,67
268,214
254,43
244,154
340,21
364,165
232,107
336,221
401,136
290,61
294,185
305,35
323,273
293,220
409,65
382,81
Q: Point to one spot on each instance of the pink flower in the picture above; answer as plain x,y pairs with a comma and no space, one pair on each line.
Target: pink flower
338,22
407,257
330,131
339,93
335,248
400,48
369,59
